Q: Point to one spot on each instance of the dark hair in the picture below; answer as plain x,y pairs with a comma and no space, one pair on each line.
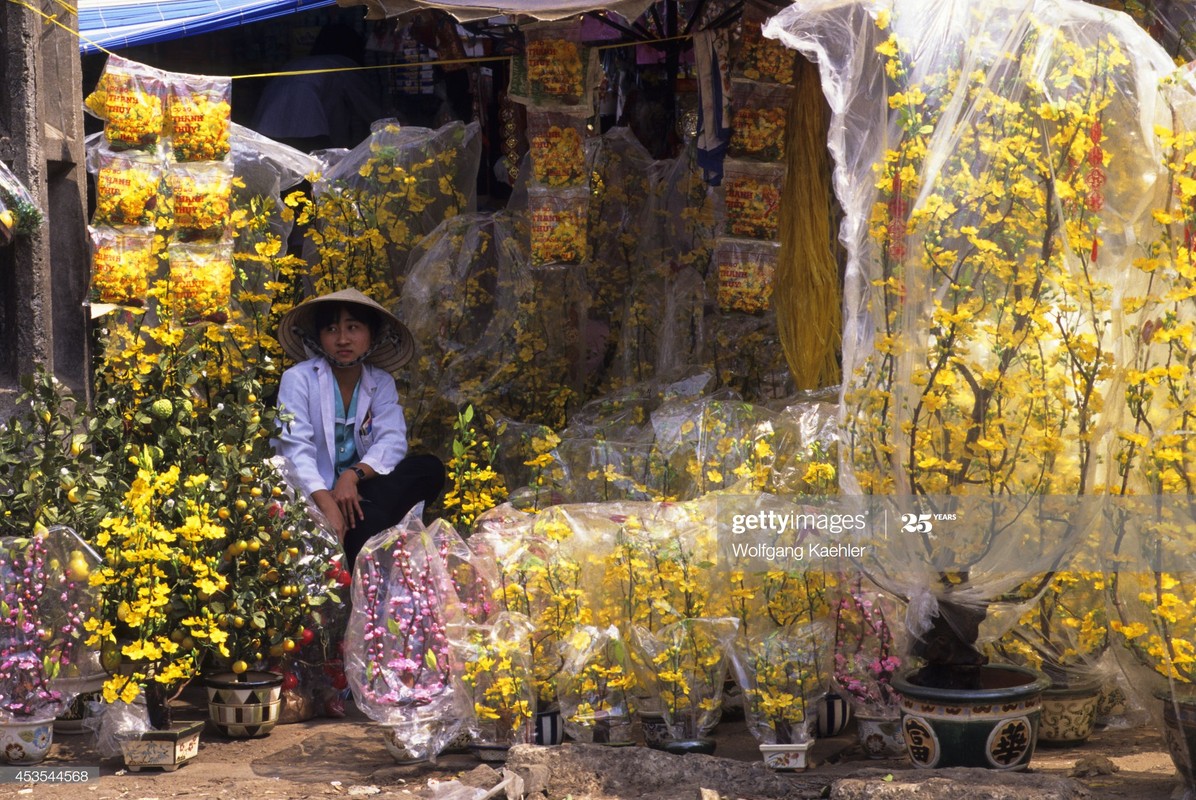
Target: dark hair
325,314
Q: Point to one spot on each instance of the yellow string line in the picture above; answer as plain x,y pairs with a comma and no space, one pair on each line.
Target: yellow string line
53,19
444,62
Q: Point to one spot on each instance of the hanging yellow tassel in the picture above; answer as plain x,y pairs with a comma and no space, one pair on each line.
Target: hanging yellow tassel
808,287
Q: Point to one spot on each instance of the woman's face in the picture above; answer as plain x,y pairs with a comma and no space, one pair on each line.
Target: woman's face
347,339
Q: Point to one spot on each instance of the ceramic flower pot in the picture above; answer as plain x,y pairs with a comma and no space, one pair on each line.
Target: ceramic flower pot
994,725
787,757
681,747
1068,714
880,737
550,728
26,740
165,749
1179,732
654,729
244,706
834,712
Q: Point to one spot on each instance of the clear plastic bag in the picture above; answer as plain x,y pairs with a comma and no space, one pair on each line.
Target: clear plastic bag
496,673
784,676
759,115
201,198
596,686
131,99
397,655
556,142
199,117
752,199
556,69
122,264
20,214
199,287
129,188
746,271
558,225
757,58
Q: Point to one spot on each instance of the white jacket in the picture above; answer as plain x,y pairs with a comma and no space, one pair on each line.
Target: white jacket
305,393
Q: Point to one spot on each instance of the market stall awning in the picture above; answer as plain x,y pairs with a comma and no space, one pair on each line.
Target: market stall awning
113,24
466,10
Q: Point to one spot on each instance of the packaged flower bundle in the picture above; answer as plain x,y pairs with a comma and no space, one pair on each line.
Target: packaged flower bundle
44,594
200,282
758,120
199,117
866,652
128,188
752,199
684,664
19,213
397,653
556,69
131,99
558,225
596,686
556,141
746,270
496,672
761,59
122,263
474,578
539,576
201,196
783,674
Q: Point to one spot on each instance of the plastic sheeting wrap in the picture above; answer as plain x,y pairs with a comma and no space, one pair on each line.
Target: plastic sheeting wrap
494,331
383,196
397,654
995,162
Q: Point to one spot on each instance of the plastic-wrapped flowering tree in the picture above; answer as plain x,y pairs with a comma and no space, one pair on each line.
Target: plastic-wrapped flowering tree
397,654
992,162
595,688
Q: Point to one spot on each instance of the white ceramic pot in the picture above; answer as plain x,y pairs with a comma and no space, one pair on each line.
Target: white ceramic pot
26,741
787,757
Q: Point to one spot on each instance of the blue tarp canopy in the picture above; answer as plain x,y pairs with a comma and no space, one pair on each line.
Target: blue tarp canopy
114,24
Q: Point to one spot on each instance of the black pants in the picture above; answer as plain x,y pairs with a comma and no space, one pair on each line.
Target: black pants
386,499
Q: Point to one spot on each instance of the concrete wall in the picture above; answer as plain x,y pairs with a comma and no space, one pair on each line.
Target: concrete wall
44,278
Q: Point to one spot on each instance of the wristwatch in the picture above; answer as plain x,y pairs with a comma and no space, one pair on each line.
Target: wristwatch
359,472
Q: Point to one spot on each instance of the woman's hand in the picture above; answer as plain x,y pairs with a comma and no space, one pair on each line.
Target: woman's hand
344,493
328,505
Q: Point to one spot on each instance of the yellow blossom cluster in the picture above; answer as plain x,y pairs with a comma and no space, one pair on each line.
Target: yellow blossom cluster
758,131
558,158
200,123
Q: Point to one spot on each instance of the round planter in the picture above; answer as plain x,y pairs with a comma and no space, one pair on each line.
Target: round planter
244,706
880,737
834,712
550,728
1179,732
1068,714
654,729
787,757
70,721
993,726
684,747
395,738
26,741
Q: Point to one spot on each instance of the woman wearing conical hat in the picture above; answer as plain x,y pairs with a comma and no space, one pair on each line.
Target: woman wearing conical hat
346,435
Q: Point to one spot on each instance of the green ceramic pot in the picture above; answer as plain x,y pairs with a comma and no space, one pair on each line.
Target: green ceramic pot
994,725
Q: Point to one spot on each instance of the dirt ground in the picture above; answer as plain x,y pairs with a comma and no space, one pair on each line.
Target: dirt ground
346,758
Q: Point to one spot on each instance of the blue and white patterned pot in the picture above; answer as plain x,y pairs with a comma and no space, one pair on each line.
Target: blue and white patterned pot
550,728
